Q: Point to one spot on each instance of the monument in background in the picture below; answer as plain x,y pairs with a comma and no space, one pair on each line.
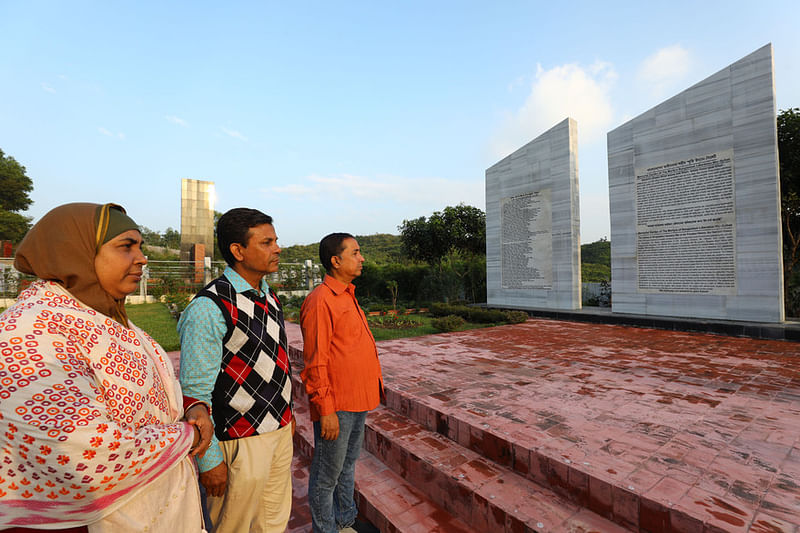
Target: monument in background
197,219
695,201
533,224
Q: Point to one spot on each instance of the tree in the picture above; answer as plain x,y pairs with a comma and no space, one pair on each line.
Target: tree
461,228
14,188
789,157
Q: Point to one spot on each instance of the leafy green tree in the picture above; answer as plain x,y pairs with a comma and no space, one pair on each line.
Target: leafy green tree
461,228
14,188
172,239
789,157
596,261
597,252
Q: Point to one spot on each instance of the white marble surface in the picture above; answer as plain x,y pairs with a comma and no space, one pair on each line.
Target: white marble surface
733,109
549,162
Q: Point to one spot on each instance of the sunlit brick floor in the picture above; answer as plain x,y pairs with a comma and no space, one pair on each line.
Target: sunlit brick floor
658,424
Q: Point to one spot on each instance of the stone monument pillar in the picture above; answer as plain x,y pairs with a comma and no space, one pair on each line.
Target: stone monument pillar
533,224
695,201
197,217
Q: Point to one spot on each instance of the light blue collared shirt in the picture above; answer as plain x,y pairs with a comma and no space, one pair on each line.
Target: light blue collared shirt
202,328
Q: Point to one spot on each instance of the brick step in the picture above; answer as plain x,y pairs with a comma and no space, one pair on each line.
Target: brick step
572,478
384,498
487,496
423,466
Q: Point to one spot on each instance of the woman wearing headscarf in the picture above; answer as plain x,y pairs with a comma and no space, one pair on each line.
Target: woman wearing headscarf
94,431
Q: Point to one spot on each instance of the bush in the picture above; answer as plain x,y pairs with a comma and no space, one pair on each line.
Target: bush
448,323
177,302
477,314
484,316
443,309
293,301
393,322
516,317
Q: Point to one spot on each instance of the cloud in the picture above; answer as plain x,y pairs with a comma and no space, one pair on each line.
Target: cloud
108,133
48,89
665,68
233,133
176,120
568,90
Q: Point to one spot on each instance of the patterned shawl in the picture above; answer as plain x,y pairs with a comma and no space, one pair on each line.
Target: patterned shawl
89,417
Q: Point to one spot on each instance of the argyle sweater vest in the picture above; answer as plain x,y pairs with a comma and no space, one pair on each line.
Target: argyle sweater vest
253,391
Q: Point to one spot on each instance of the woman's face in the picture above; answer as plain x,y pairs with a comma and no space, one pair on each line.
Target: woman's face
118,264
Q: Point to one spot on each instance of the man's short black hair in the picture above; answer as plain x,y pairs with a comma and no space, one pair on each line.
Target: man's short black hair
234,227
331,245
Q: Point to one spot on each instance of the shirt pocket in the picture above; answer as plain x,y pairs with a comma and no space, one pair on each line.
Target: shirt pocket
348,328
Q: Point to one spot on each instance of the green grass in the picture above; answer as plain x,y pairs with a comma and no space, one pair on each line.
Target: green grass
157,321
383,334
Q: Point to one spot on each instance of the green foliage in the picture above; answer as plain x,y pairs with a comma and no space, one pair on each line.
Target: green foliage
381,249
516,317
14,188
13,226
157,321
392,321
177,302
456,278
461,228
154,254
382,334
596,261
789,158
299,253
392,286
592,272
14,185
477,315
448,323
597,252
171,238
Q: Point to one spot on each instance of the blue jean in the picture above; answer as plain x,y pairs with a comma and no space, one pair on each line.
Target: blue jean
331,480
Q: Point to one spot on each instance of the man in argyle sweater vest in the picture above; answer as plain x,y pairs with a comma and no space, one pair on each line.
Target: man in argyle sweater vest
233,357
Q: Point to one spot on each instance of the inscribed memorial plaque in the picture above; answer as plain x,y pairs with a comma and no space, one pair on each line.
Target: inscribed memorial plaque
685,226
695,201
533,255
526,226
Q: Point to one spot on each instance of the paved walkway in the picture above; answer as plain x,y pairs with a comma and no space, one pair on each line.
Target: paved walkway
650,422
704,424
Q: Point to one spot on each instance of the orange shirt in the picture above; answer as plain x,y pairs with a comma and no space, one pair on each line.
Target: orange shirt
342,371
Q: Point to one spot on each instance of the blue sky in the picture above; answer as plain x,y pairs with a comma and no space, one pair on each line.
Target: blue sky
345,116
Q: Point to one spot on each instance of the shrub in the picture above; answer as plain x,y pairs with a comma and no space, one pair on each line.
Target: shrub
448,323
516,317
483,316
443,309
393,322
177,302
293,301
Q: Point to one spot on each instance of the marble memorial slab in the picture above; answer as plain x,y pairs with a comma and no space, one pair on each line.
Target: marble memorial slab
533,224
695,201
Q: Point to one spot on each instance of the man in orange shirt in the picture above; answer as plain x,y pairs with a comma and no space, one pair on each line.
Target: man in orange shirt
342,377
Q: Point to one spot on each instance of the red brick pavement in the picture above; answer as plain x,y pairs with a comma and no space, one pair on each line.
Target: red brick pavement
655,427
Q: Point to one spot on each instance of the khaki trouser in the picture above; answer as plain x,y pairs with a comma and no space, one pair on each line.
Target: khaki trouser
259,494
